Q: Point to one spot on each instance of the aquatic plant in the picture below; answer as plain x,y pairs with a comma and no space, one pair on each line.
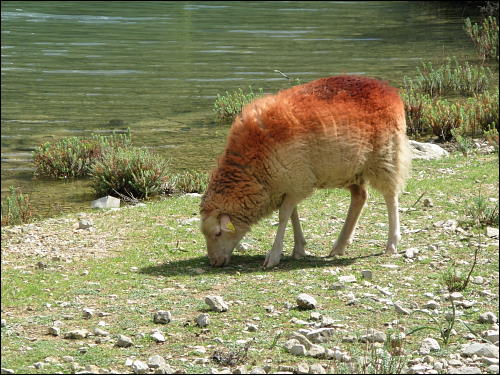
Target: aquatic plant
131,171
71,157
16,208
484,37
229,105
450,78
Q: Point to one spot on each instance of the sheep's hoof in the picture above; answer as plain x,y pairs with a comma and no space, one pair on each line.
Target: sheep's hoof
391,249
337,250
272,259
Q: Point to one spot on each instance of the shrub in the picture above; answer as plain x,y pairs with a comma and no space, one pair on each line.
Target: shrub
16,208
484,37
188,182
416,104
450,78
491,136
73,156
482,212
229,105
133,172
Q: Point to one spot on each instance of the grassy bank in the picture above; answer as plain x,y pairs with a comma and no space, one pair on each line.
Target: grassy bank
139,260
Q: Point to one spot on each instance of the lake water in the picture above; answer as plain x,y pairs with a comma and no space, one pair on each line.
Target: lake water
77,68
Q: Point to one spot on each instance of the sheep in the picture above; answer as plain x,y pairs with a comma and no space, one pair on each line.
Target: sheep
336,132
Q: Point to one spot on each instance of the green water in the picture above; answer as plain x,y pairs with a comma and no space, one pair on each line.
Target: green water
74,68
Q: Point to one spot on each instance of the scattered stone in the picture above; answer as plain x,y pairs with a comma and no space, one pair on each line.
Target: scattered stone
203,320
85,224
316,351
252,327
315,315
347,279
427,202
481,350
431,305
367,274
100,332
106,202
88,313
54,331
491,335
216,303
467,370
303,368
139,367
4,323
429,345
269,308
255,370
316,368
162,317
492,369
7,371
411,253
320,335
124,341
76,334
337,286
158,336
488,317
306,302
303,340
400,309
426,151
479,280
492,232
373,336
298,350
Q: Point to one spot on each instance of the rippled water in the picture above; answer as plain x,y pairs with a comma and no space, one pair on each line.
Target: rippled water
74,68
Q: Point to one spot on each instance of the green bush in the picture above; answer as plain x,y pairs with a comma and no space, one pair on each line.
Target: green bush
73,156
229,105
484,37
16,208
188,182
450,78
133,172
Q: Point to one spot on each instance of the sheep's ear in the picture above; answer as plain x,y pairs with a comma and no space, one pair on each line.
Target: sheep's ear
226,225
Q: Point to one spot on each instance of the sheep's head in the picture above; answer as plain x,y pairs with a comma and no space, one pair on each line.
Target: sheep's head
222,236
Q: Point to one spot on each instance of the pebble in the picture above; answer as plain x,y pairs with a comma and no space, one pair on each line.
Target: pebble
493,369
124,341
7,371
429,345
367,274
431,305
54,331
306,302
316,368
467,370
252,327
488,317
85,224
162,317
158,336
76,334
298,350
100,332
411,253
316,351
347,279
4,323
481,350
400,309
139,367
88,313
427,202
320,335
216,303
491,335
373,336
203,320
479,280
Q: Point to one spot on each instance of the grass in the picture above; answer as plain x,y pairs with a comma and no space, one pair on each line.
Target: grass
229,105
16,208
172,273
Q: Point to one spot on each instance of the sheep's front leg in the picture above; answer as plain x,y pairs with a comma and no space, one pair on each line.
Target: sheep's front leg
274,255
392,203
298,236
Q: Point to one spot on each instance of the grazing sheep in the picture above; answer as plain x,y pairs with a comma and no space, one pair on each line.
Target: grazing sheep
337,132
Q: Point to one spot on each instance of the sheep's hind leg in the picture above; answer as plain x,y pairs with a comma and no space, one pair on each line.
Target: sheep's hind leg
391,200
274,255
298,236
358,199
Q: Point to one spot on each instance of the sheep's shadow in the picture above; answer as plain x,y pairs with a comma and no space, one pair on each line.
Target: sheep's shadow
245,264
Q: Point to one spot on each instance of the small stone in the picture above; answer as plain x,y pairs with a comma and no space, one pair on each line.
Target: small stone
139,367
367,274
162,317
124,341
400,309
306,302
337,286
54,331
269,308
303,368
481,350
298,350
429,345
316,351
411,253
203,320
7,371
106,202
431,305
88,313
320,335
252,327
373,336
4,323
216,303
76,334
488,317
100,332
68,359
492,369
158,336
491,335
156,361
303,340
479,280
316,368
347,279
427,202
85,224
467,370
255,370
315,315
492,232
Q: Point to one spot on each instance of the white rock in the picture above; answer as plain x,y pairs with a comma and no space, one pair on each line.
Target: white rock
488,317
139,367
156,361
467,370
492,232
481,350
124,341
158,336
429,345
216,303
431,305
76,334
306,302
316,368
320,335
426,151
162,317
411,253
367,274
106,202
203,320
373,336
88,313
299,350
316,351
492,369
347,279
491,335
400,309
54,331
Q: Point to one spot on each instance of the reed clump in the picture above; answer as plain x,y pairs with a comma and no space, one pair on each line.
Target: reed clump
16,208
229,105
72,157
484,37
